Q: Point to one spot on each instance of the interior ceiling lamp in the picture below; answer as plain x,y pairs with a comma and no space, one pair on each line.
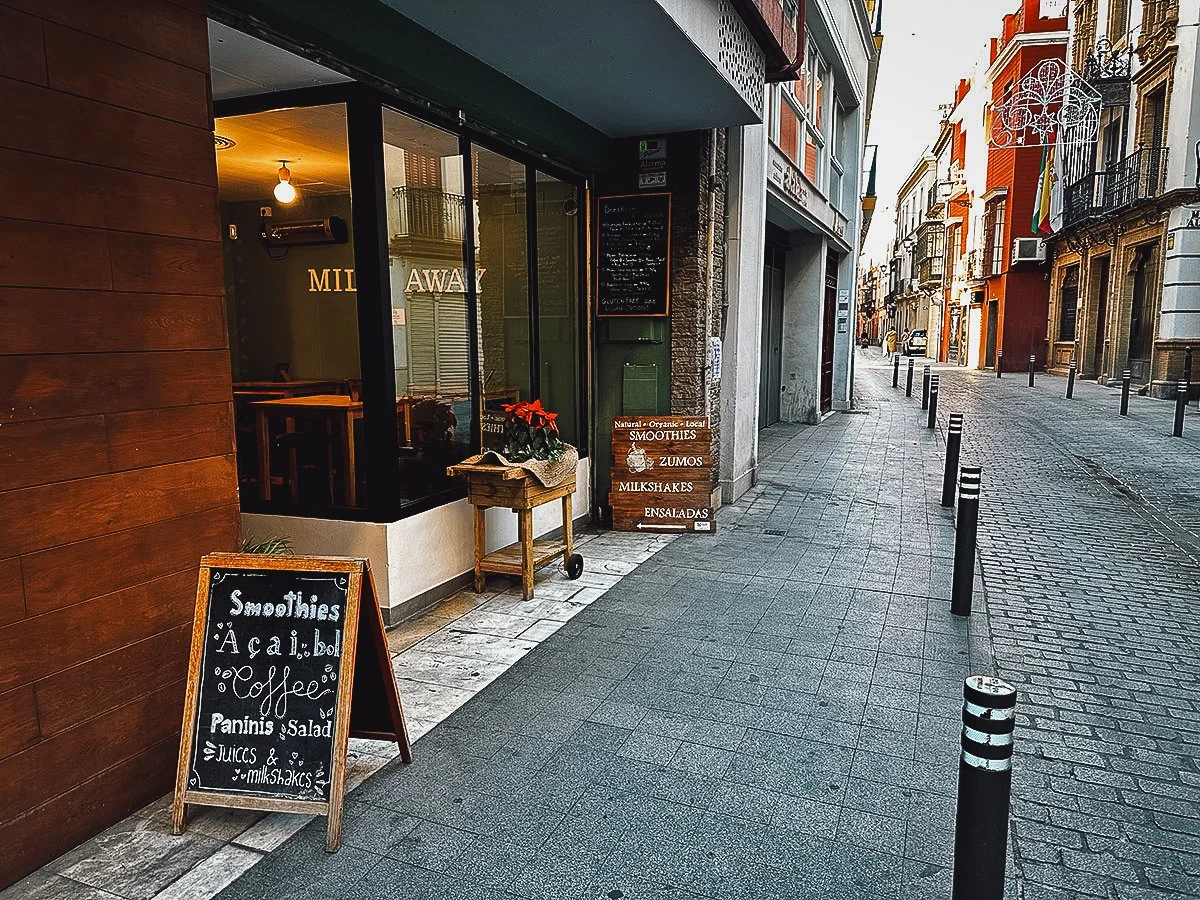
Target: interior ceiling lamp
1051,104
284,192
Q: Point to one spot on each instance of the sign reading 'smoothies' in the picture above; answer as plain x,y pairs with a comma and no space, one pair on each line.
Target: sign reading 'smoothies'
662,474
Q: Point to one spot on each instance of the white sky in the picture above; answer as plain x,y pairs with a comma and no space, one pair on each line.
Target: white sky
927,46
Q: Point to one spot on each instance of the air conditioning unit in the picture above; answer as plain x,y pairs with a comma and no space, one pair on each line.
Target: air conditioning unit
1028,250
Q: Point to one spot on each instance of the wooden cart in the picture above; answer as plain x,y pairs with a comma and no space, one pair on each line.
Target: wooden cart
495,485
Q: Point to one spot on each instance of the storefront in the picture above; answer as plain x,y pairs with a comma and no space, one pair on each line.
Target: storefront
392,281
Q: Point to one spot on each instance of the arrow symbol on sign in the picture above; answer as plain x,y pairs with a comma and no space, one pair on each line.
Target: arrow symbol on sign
645,527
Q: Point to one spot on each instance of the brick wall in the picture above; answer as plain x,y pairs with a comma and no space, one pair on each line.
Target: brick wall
116,465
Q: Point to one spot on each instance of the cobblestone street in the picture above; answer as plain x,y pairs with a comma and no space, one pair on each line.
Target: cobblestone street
774,712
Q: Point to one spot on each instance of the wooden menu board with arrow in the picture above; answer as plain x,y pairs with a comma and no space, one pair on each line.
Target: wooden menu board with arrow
662,474
288,661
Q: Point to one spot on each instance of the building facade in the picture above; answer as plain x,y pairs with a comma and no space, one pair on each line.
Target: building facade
814,210
298,274
1126,277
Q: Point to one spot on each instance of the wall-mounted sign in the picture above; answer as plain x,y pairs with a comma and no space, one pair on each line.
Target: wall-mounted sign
662,474
330,281
288,660
633,255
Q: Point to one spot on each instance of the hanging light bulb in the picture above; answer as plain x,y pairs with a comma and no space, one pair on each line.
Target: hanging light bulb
284,192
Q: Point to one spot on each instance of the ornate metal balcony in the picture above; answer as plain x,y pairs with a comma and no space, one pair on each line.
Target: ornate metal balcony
424,212
1108,71
1139,176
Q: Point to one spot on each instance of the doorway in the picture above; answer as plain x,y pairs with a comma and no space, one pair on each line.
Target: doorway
1141,319
993,324
770,382
1100,280
827,330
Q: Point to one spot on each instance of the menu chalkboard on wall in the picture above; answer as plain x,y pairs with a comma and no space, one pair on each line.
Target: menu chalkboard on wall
287,655
633,255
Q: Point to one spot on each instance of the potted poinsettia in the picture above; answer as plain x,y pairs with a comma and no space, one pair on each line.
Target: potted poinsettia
531,433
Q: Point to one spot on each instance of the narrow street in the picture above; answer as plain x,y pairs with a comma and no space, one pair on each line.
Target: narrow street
774,712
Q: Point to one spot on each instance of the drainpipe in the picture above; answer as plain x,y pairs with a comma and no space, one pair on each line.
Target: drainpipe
712,234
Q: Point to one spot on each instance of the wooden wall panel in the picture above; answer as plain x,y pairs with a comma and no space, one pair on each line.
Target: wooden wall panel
172,265
22,52
18,720
12,594
166,30
38,120
150,716
90,67
72,573
103,197
152,437
42,645
45,516
116,465
42,255
58,450
94,688
48,387
45,321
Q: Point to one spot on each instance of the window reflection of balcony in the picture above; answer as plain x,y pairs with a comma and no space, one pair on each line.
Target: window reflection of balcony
426,213
1139,176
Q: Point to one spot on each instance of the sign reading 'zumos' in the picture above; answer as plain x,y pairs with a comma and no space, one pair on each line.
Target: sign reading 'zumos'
662,475
270,703
634,255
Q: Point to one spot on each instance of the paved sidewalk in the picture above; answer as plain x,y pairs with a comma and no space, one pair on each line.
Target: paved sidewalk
769,712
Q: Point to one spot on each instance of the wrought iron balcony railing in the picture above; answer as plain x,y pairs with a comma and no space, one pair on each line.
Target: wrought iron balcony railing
425,212
1139,176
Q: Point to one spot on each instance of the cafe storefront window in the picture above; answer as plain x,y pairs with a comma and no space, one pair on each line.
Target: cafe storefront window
474,304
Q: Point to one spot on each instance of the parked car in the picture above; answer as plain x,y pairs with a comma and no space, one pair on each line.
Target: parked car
915,343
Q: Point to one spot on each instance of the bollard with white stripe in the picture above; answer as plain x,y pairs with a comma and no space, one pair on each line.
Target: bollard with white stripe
966,528
896,370
925,388
953,448
1181,392
984,788
1071,380
933,398
1126,377
1032,363
908,384
999,362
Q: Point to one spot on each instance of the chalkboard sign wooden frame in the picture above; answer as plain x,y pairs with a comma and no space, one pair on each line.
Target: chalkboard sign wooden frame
367,702
662,306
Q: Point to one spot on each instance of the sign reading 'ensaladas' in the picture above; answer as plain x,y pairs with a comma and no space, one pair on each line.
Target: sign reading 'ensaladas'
662,474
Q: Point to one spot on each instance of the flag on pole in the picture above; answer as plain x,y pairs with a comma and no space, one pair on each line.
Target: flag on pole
1045,193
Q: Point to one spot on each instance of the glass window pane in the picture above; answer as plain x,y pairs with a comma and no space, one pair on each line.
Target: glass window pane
293,319
502,263
558,301
423,174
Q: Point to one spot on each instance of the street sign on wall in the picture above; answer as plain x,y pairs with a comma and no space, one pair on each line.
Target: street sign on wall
662,474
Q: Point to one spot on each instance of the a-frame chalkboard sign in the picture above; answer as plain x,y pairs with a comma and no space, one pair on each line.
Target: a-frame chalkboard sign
289,659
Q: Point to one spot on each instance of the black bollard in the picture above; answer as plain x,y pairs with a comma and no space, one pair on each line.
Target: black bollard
966,527
933,397
1180,405
925,388
1187,366
953,448
1126,377
984,788
1032,360
896,371
999,362
908,383
1071,380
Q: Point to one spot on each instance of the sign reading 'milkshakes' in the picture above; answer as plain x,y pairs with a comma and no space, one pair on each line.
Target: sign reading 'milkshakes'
662,474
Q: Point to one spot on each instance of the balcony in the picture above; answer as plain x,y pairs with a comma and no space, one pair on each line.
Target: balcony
1139,176
426,213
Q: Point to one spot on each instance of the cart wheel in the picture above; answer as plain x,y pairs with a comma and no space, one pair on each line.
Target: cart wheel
574,566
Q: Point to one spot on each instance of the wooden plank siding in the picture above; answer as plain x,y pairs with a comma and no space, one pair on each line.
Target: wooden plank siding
116,426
